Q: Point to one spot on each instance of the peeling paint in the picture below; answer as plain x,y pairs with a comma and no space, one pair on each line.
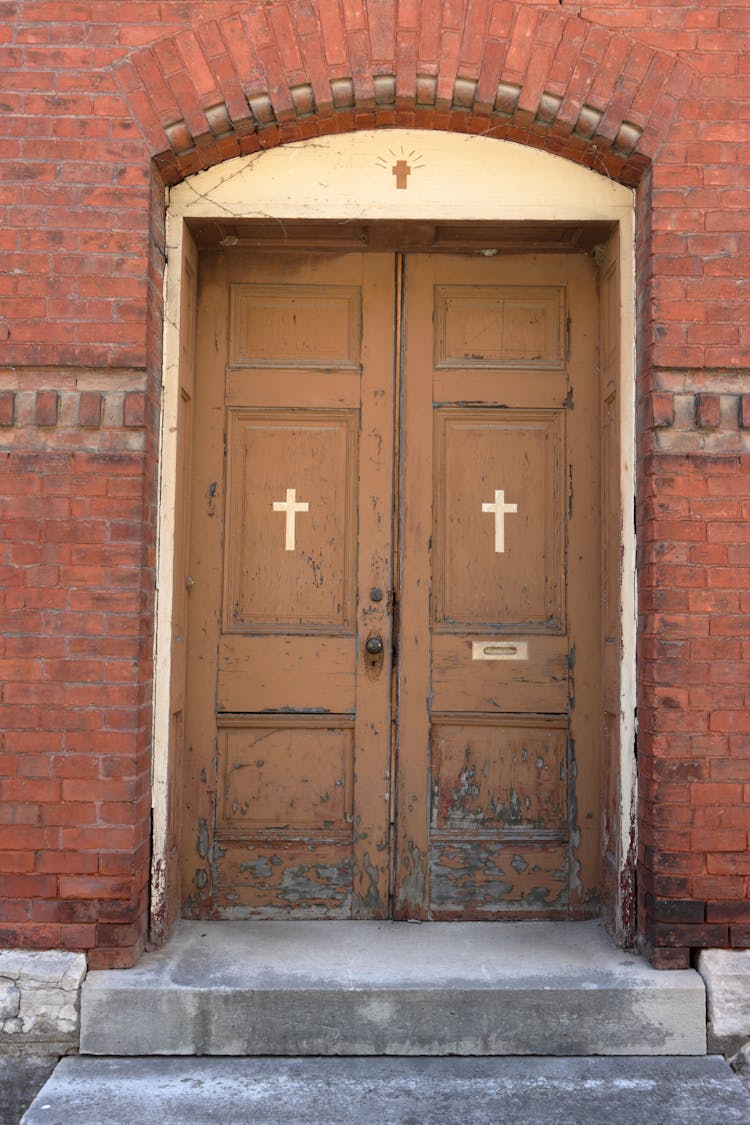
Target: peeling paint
482,878
259,868
315,884
370,901
412,884
627,915
574,831
202,844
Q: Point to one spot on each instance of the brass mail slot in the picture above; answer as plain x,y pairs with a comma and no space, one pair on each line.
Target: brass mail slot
499,650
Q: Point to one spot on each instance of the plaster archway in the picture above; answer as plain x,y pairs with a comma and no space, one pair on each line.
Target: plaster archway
346,177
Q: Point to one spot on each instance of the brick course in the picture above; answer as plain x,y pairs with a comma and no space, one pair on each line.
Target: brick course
106,103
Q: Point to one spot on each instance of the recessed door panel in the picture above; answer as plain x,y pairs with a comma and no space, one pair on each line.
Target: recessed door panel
499,518
290,552
486,879
297,326
292,778
283,878
498,776
499,326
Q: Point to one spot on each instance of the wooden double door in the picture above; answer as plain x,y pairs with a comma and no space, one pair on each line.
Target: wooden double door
393,699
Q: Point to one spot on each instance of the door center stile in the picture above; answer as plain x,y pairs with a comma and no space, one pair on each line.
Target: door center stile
395,598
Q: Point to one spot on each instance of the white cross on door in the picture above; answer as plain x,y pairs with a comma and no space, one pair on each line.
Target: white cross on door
499,508
291,507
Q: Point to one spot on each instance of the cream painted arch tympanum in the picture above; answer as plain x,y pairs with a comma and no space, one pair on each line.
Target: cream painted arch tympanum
401,176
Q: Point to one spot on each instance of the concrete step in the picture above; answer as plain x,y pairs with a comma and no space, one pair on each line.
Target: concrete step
380,1091
385,988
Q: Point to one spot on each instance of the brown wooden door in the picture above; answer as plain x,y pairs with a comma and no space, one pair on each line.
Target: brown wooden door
302,549
498,721
289,741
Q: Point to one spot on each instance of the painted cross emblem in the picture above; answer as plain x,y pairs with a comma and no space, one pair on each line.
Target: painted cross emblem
499,508
401,170
401,165
291,507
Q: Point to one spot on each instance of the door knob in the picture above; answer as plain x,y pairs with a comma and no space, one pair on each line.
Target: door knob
374,656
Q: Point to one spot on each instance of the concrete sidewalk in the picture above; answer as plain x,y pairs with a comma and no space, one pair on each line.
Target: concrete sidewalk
392,1091
21,1078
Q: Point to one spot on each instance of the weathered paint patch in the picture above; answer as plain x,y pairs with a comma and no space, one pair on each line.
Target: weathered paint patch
495,878
369,901
496,776
411,895
574,831
202,844
284,879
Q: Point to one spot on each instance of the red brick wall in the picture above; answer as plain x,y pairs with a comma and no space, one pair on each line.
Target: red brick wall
102,104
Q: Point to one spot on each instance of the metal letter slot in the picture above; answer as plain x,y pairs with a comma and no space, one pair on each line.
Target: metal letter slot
500,650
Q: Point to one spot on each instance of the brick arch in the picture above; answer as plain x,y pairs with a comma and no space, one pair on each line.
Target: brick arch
278,73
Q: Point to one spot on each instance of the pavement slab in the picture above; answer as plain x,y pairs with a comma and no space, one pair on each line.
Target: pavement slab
392,1091
21,1077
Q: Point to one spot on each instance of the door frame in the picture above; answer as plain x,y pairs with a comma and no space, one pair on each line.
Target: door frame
343,178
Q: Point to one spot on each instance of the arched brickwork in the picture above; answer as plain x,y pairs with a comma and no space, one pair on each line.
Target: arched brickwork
506,69
535,75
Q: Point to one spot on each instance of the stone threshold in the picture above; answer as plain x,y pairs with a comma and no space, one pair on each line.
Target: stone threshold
392,988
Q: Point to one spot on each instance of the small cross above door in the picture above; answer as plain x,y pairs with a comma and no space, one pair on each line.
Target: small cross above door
401,170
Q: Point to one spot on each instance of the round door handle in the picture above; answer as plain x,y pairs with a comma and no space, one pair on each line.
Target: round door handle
374,646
